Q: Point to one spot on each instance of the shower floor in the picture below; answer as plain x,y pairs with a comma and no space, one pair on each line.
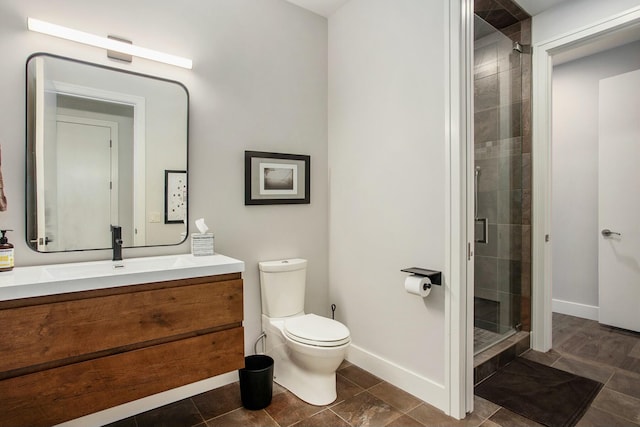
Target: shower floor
483,339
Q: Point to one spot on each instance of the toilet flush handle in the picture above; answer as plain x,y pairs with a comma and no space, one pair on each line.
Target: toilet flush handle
333,311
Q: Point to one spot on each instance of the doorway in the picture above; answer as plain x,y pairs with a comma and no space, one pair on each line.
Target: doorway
93,178
596,37
588,154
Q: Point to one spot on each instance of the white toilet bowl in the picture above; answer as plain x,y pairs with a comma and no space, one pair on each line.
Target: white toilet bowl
307,350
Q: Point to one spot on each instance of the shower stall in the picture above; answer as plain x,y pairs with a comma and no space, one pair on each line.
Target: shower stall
501,187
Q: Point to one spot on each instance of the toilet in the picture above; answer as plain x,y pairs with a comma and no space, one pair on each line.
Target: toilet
307,349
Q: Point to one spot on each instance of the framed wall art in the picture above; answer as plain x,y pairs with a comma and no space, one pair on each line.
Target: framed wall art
276,178
175,196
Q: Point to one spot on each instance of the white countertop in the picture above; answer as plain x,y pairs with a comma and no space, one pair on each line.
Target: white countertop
26,282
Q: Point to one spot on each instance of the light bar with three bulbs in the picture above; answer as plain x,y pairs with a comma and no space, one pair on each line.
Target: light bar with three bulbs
106,43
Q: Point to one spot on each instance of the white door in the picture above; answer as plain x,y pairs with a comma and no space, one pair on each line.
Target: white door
619,201
85,199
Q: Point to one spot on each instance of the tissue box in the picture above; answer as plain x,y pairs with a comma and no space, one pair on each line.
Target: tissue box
202,244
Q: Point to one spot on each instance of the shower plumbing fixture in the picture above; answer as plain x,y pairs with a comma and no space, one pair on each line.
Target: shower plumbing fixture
522,48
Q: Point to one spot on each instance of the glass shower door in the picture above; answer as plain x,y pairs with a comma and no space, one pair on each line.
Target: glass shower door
498,186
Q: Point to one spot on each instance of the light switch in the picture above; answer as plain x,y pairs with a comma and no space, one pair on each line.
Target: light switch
155,217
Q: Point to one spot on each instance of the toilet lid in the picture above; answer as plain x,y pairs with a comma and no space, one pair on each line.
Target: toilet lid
316,330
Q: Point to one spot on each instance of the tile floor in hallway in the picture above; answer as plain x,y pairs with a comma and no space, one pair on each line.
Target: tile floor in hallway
584,347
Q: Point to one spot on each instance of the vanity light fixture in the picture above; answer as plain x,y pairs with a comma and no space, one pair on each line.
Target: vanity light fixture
106,43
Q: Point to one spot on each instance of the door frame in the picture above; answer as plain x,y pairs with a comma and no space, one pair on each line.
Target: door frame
458,261
138,104
541,239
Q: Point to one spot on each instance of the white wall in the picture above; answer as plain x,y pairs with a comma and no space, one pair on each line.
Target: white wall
575,175
386,157
259,82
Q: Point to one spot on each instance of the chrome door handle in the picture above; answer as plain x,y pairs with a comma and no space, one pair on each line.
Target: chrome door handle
608,233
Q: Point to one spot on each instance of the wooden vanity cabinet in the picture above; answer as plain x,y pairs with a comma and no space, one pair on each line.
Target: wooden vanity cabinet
69,355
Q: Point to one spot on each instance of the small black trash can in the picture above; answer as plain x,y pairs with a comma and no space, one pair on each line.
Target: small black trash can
256,381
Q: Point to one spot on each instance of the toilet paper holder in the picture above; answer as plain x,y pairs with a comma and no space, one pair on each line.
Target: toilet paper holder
434,276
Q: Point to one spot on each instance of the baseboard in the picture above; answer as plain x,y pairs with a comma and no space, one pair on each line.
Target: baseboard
151,402
583,311
423,388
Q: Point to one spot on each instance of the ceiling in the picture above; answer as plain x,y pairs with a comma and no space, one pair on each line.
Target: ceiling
321,7
327,7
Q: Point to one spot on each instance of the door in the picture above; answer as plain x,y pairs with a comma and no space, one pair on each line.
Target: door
85,184
619,201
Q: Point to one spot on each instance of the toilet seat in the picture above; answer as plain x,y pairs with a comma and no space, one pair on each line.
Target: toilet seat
317,331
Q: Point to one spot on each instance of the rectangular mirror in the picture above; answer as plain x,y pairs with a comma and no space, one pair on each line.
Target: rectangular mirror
100,142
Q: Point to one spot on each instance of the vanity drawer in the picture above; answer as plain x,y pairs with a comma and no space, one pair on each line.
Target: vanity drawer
55,333
56,395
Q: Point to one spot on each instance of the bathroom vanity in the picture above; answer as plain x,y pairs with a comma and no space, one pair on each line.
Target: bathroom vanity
79,338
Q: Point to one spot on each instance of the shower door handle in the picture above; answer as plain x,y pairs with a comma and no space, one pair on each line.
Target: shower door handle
608,233
485,230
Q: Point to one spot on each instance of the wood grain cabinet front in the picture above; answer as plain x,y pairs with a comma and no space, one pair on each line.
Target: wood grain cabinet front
66,356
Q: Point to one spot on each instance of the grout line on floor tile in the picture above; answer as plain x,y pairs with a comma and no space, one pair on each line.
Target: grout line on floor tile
274,420
219,415
348,380
610,377
492,414
395,418
416,420
556,361
226,413
338,415
198,409
358,393
592,362
409,410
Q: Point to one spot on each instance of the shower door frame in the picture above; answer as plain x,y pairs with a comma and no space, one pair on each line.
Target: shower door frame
541,157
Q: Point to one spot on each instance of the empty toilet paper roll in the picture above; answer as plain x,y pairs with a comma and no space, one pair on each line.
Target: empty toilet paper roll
418,285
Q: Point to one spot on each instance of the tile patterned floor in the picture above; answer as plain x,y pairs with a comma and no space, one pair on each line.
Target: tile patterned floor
584,347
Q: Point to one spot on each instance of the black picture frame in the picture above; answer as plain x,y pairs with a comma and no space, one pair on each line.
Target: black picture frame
175,196
276,178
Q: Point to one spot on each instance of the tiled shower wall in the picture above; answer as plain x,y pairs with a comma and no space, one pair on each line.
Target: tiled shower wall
502,143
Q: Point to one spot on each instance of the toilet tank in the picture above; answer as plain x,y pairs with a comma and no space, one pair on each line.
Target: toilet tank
282,284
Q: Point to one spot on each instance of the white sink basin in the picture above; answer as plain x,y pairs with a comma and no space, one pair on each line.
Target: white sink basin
128,266
24,282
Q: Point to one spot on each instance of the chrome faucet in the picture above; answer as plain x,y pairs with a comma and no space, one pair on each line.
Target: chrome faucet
116,242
